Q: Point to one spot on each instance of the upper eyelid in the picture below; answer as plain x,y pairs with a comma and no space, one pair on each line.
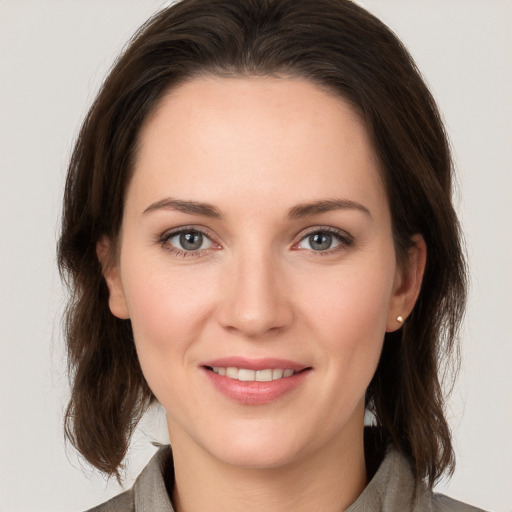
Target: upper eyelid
164,238
319,229
341,233
169,233
164,241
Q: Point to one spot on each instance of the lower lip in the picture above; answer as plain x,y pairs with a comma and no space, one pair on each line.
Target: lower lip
255,393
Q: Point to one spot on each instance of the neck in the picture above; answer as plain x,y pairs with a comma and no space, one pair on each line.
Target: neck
329,480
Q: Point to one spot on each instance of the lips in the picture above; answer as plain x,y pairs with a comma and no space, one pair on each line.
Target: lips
255,381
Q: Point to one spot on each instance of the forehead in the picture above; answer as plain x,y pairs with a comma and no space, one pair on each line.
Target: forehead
247,136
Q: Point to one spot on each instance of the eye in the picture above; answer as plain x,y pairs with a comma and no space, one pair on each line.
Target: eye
188,241
323,241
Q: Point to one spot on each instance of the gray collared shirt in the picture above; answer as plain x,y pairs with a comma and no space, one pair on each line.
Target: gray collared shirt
392,489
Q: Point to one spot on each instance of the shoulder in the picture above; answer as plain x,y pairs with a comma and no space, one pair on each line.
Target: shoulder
442,503
393,488
149,491
122,503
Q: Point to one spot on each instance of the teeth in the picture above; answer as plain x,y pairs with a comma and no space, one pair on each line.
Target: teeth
246,375
277,374
232,373
263,375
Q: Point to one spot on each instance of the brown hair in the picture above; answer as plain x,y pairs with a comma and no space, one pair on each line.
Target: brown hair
332,43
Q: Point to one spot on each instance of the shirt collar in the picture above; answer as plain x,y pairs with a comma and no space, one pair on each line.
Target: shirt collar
391,488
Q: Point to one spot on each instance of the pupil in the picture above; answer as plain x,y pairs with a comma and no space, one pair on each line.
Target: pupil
191,241
320,241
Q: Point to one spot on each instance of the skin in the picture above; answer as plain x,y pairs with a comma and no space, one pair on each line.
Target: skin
254,149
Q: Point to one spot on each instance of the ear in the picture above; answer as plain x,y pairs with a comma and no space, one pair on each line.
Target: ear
110,268
407,284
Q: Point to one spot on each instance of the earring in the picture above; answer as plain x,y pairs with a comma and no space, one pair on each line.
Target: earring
400,319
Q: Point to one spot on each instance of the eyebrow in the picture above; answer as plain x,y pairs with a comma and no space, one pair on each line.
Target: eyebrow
192,207
297,212
317,207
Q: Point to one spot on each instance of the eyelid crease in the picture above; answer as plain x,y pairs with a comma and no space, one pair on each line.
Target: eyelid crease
344,238
347,238
191,228
164,238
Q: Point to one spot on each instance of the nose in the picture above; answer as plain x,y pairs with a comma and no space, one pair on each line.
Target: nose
255,299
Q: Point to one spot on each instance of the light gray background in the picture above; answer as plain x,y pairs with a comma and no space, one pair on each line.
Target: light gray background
53,56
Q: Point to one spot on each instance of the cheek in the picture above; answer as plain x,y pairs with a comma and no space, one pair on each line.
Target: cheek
353,300
167,309
349,313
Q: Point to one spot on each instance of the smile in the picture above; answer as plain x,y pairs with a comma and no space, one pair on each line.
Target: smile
255,381
246,375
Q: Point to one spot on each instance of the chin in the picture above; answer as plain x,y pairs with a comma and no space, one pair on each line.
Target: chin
256,449
251,456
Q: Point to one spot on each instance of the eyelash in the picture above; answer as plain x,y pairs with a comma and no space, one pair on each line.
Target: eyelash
163,240
344,239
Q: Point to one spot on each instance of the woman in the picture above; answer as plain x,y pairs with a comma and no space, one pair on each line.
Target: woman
259,234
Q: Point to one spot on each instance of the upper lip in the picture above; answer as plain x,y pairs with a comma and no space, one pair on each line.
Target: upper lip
255,364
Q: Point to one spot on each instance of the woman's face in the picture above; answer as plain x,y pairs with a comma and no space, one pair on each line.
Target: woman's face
256,242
